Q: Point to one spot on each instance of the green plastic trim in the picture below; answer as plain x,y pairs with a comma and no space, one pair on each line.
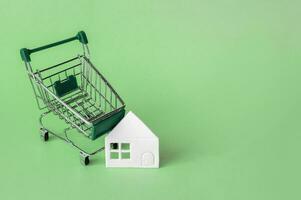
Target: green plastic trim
105,125
82,37
25,53
65,87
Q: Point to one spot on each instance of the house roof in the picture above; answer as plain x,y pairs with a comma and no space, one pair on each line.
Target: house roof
131,127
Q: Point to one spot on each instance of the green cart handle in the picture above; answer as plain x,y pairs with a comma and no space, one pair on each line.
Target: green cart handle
25,53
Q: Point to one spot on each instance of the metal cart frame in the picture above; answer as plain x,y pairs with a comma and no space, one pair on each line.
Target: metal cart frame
77,93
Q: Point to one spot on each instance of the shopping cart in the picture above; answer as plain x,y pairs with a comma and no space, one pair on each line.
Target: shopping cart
77,93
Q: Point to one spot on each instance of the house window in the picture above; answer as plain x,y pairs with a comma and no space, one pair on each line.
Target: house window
125,155
125,146
120,151
114,146
114,155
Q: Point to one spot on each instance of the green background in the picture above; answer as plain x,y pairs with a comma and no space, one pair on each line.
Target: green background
217,81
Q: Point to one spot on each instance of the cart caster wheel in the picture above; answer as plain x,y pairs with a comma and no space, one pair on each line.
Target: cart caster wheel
44,134
84,159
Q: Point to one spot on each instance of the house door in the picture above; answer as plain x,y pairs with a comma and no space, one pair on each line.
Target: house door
148,159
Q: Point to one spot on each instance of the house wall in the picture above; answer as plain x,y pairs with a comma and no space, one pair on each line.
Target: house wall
137,148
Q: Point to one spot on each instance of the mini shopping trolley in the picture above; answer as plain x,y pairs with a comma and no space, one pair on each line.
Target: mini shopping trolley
76,92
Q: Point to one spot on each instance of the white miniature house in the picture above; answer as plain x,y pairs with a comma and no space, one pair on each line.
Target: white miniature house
132,144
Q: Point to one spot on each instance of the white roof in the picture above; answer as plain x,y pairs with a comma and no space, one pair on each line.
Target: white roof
131,127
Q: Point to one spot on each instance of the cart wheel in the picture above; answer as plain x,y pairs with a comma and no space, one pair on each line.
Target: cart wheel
44,134
84,159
